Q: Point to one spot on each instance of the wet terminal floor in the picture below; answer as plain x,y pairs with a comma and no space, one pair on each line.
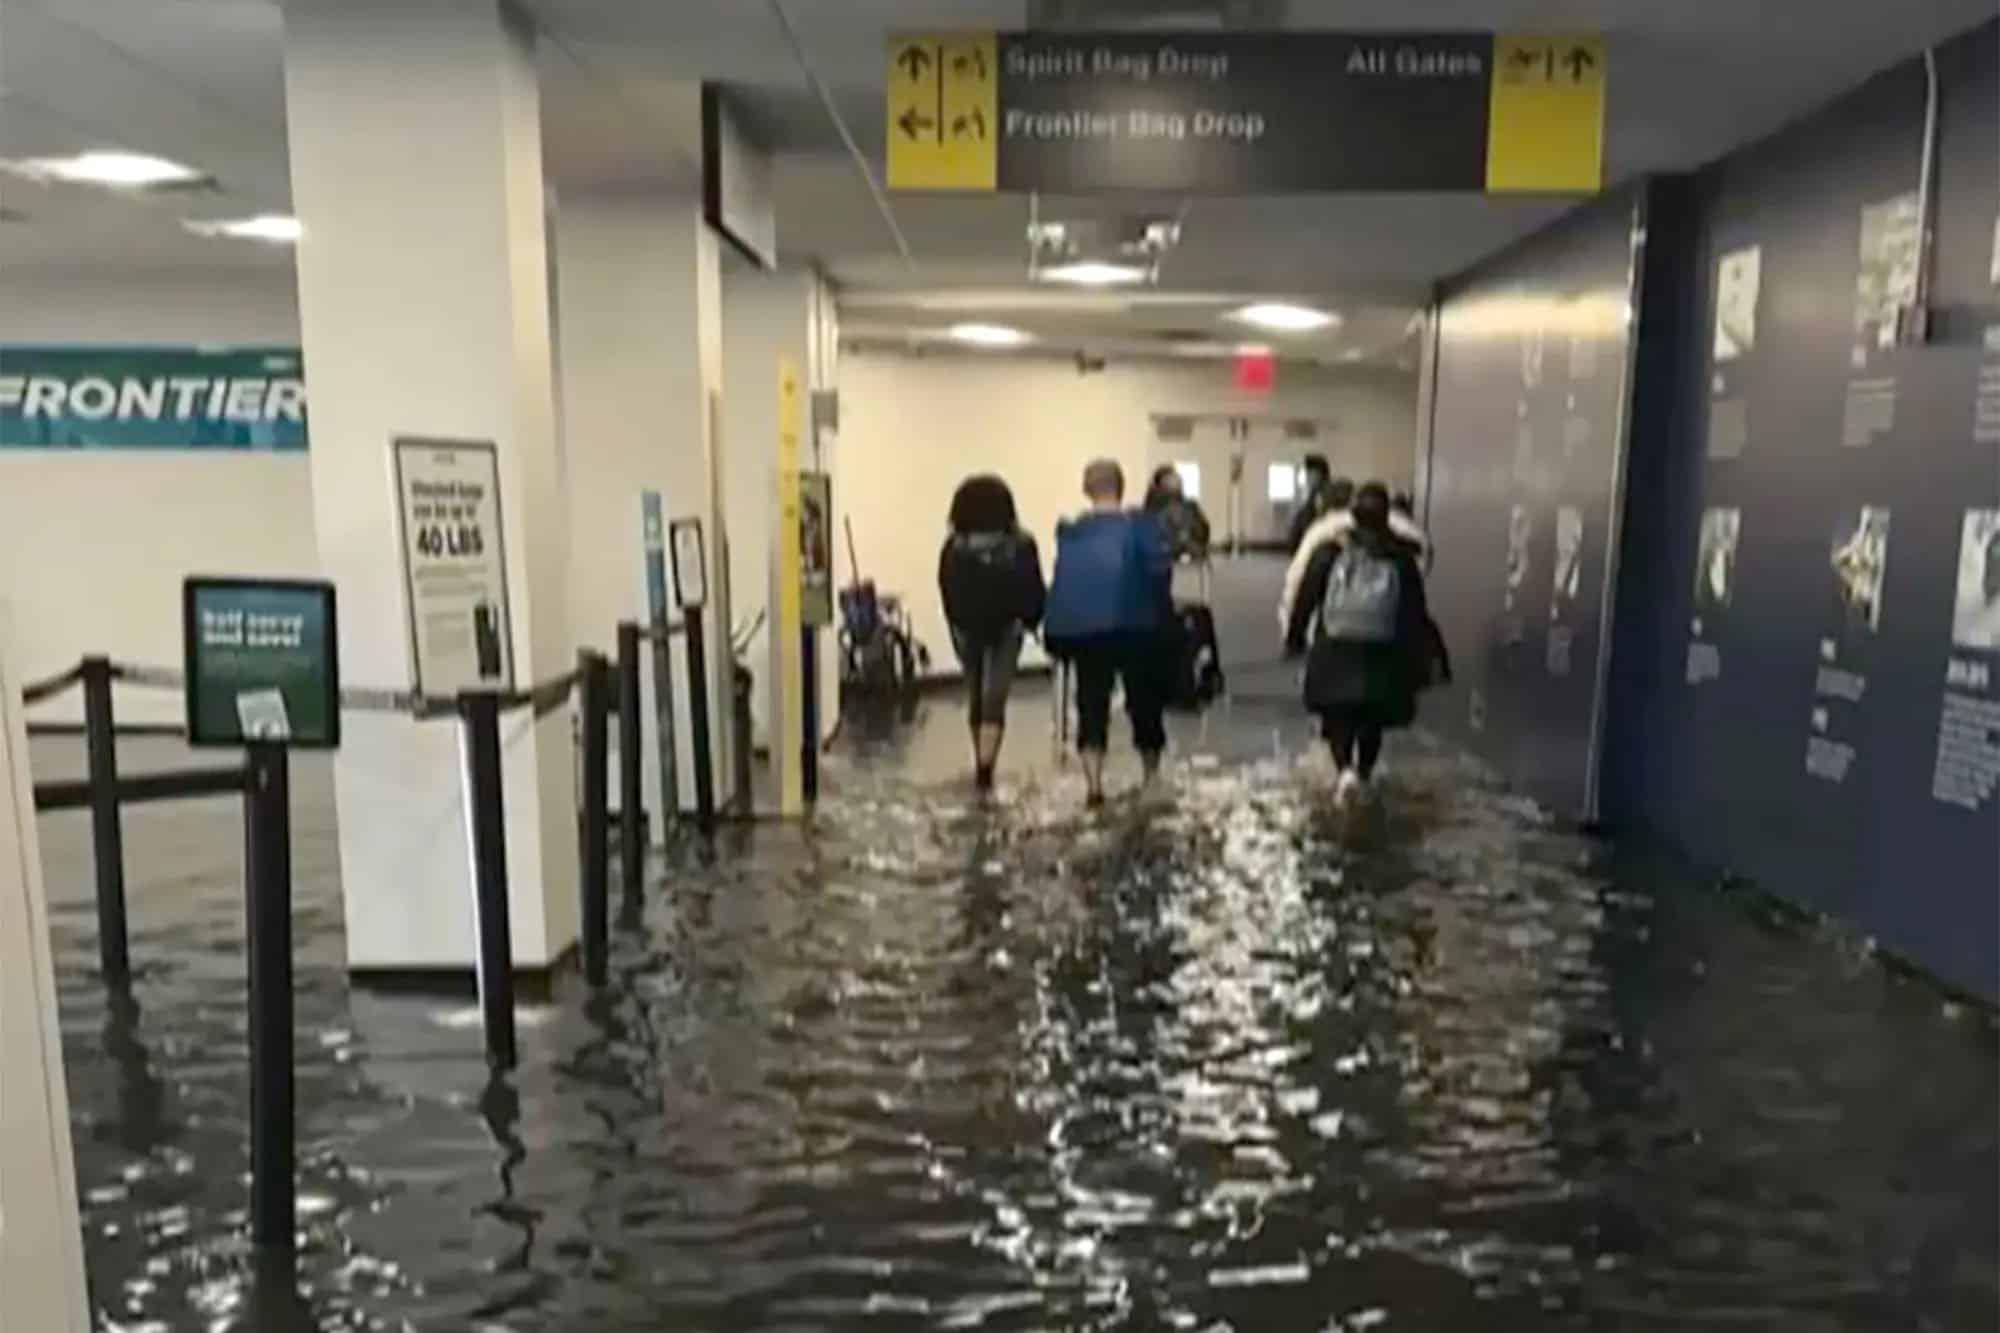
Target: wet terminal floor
1214,1058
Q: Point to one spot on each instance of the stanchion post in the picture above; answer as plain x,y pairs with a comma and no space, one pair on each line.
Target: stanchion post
480,713
267,893
809,714
592,683
704,762
663,716
631,794
740,685
107,835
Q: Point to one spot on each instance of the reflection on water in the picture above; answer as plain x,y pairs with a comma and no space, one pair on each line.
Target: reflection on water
1217,1059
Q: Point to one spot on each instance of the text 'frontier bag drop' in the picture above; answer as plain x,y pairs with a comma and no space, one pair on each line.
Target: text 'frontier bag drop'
1363,593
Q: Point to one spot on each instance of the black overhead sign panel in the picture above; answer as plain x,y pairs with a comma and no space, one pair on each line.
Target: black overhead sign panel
1245,112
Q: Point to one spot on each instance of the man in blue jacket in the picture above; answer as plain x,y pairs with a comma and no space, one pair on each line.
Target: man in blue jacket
1110,605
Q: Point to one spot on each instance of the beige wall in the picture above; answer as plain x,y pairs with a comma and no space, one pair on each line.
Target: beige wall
94,544
913,427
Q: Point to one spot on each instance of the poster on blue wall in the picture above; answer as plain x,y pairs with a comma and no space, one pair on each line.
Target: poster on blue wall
1810,678
149,397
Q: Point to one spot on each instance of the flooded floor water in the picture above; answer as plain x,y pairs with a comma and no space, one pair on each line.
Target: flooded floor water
1216,1058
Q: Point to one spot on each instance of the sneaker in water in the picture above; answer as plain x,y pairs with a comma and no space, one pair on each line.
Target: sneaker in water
982,778
1349,789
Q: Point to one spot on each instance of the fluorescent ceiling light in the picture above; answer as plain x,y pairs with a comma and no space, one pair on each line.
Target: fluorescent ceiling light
132,171
1093,273
1282,318
277,228
987,335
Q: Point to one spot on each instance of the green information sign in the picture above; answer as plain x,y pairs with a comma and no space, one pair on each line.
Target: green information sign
262,662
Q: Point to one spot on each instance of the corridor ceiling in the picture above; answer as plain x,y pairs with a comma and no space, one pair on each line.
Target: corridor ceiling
201,81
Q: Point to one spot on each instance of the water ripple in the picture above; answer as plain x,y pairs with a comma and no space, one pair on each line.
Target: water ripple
1218,1059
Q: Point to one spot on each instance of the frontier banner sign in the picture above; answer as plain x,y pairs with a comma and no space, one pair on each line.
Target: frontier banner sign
143,397
1246,112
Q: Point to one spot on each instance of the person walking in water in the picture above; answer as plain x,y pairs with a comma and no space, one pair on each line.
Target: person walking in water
1322,493
1337,519
990,579
1179,516
1372,651
1110,603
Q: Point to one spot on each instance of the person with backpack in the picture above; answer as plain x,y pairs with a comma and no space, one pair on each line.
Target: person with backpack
1180,516
1110,609
990,579
1338,519
1372,651
1195,656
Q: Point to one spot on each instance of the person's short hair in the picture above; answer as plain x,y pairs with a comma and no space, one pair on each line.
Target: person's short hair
982,503
1317,463
1103,479
1339,493
1371,506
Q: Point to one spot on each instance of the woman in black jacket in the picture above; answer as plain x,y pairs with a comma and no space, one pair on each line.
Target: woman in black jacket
1373,650
990,577
1180,517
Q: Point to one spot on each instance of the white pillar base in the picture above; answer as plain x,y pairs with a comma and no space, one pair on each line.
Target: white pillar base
41,1241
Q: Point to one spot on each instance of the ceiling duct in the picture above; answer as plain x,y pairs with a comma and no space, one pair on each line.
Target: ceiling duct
1135,241
1166,15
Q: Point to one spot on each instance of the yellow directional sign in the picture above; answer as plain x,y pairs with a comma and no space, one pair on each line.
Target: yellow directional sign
791,665
1545,124
944,106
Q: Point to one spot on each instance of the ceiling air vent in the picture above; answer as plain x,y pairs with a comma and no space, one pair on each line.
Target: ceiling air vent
197,185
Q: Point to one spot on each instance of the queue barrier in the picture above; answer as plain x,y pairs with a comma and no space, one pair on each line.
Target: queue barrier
263,780
103,790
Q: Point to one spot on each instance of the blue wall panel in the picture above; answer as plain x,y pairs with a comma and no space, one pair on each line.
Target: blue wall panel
1792,731
1821,711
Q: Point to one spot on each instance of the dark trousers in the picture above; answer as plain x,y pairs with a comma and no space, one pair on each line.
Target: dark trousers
989,672
1355,740
1141,660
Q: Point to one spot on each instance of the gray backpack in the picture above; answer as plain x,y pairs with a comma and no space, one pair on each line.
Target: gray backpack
1363,593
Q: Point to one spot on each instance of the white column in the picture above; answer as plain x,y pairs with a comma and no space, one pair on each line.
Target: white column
721,611
416,162
823,372
768,315
41,1245
637,312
